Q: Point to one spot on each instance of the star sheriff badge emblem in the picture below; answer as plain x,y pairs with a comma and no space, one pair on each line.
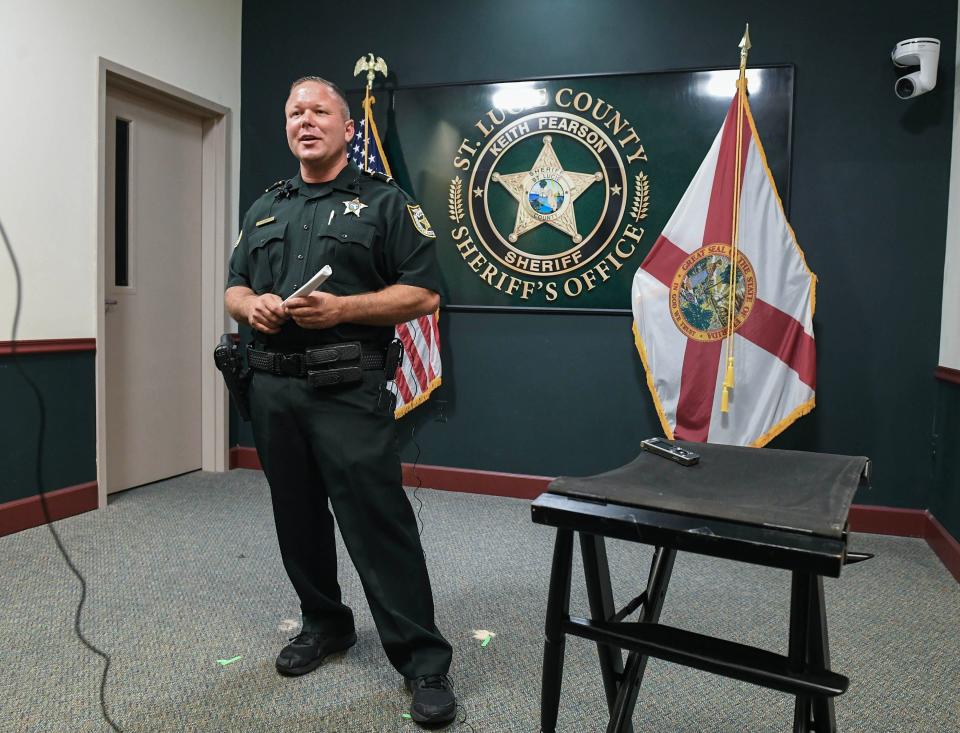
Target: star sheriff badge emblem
545,194
353,207
556,168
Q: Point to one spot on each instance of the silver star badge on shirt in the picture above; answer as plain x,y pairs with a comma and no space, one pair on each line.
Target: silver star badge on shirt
353,207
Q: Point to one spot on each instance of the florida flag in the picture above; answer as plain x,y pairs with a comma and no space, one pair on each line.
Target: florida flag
682,300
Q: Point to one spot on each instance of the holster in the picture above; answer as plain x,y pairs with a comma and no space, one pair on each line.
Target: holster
393,359
228,360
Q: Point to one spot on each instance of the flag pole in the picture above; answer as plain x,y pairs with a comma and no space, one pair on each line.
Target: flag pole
728,380
366,125
371,65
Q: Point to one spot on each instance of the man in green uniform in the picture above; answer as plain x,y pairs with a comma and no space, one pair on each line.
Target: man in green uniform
322,417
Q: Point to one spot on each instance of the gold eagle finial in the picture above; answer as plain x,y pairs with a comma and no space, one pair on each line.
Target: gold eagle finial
371,65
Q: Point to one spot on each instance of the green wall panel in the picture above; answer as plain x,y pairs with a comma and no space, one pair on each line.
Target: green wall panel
67,386
868,198
945,499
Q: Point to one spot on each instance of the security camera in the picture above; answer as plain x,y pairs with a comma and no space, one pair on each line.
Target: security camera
924,52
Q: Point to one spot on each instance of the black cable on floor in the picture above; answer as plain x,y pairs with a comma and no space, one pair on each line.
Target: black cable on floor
39,482
463,720
413,434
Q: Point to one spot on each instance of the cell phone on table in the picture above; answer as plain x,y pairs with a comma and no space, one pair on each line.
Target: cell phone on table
666,449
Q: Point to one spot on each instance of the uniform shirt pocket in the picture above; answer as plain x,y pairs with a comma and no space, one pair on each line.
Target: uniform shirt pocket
267,255
353,255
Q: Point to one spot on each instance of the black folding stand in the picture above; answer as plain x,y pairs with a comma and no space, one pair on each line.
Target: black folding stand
576,505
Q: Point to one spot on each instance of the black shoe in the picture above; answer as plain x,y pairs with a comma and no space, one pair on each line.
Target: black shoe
433,699
307,650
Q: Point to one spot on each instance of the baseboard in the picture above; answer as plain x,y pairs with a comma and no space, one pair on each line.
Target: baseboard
885,520
28,512
493,483
888,520
909,523
945,545
243,457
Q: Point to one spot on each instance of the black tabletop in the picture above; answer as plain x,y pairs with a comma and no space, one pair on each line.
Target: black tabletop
793,490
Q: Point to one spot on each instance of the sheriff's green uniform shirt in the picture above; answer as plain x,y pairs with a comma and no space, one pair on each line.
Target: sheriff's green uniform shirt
364,226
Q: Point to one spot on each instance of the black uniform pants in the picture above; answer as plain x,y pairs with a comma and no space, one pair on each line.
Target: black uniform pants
333,444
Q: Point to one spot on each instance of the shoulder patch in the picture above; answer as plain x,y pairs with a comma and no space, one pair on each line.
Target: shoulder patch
420,221
275,185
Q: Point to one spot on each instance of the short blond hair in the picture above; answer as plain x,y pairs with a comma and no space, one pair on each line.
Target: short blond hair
337,92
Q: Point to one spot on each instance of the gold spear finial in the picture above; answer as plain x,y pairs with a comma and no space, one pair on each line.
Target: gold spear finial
371,65
744,47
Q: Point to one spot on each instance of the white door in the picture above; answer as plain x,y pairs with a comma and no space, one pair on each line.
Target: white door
152,288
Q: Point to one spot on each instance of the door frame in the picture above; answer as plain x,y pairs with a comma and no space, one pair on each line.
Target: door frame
215,228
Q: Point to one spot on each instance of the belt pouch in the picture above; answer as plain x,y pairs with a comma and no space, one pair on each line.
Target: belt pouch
321,378
323,355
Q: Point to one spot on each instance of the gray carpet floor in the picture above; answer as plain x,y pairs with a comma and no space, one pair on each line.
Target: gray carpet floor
185,572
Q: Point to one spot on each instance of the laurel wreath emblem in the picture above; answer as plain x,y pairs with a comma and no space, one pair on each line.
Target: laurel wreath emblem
641,197
455,200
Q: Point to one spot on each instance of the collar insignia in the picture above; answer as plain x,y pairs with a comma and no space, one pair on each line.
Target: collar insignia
353,207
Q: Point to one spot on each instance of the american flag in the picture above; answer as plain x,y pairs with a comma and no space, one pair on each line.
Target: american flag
421,370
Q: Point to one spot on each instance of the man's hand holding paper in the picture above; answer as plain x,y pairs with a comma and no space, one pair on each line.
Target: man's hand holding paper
317,310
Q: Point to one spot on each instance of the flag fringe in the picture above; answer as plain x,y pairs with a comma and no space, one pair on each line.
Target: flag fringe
418,400
664,423
773,432
804,409
776,193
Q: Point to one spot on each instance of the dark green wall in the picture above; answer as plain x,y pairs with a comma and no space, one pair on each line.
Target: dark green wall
566,394
67,385
945,498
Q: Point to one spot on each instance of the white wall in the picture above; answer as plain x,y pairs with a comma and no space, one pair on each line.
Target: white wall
49,53
950,316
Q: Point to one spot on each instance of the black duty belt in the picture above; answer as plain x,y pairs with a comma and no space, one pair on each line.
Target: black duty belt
323,366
